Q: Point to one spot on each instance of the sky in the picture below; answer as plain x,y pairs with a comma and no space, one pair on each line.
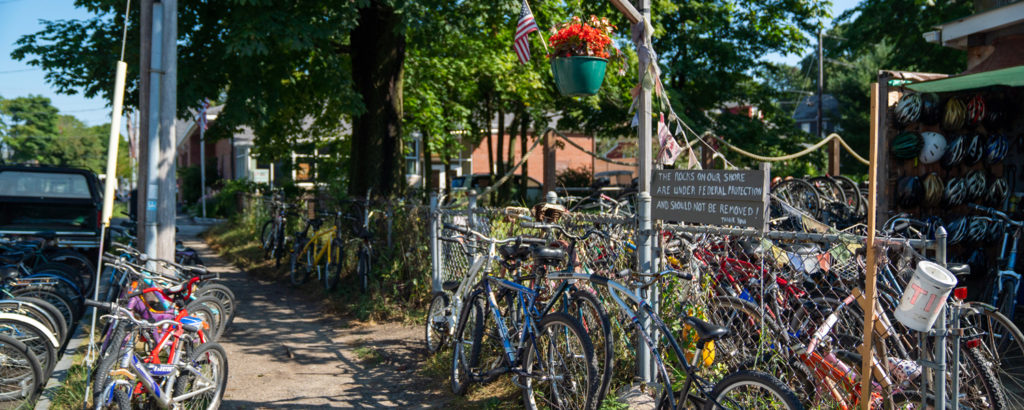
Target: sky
20,17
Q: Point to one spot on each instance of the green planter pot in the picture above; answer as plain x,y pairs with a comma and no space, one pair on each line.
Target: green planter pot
578,76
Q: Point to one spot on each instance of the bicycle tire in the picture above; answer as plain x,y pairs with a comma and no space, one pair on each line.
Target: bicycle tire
298,272
332,264
587,363
34,335
82,265
799,194
363,268
68,273
267,239
1004,344
21,376
980,382
185,382
211,311
772,387
435,333
34,310
592,316
1007,302
462,360
59,301
224,295
105,359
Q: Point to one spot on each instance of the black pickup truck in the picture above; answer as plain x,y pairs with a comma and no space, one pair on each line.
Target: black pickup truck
51,201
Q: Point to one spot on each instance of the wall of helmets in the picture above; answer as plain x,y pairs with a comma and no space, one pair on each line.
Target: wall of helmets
948,150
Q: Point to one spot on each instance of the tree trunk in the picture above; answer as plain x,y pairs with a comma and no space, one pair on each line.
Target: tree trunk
498,156
378,56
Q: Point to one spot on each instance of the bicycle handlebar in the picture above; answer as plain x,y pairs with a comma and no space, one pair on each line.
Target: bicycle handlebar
996,213
560,228
127,314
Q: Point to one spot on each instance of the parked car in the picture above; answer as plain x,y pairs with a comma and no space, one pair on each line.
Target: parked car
480,182
63,203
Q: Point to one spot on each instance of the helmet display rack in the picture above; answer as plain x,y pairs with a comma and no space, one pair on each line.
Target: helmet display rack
940,151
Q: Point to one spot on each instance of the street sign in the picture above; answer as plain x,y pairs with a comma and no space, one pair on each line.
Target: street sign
713,197
261,176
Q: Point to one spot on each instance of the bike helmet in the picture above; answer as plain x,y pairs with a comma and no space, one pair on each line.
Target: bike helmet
995,232
997,191
975,185
974,151
955,192
956,231
906,145
933,188
954,153
996,149
977,229
955,113
931,108
934,223
975,109
909,191
908,108
932,148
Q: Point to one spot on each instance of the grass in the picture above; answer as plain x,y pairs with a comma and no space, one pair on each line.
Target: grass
71,393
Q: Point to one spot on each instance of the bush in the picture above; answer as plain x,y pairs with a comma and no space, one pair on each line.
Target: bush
191,189
575,177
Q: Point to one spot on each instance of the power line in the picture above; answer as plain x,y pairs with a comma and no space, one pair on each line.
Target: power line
22,70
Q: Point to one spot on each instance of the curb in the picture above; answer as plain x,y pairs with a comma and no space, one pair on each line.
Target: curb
207,221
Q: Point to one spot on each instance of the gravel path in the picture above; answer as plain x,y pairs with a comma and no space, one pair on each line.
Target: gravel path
285,353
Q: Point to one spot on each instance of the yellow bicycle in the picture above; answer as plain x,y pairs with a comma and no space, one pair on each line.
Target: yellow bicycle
317,249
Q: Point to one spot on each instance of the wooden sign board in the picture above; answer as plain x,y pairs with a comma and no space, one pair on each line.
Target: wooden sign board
712,197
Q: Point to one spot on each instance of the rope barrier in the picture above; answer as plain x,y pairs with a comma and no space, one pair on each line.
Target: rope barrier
797,154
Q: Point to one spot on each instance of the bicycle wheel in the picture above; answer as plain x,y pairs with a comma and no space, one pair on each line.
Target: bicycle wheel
466,343
299,271
800,194
205,373
35,311
109,353
53,298
748,389
750,330
267,238
363,268
437,323
34,335
212,312
332,265
21,376
561,366
1003,343
979,386
593,318
81,265
224,295
1007,301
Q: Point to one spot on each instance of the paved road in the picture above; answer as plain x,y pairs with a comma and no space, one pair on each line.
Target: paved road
285,353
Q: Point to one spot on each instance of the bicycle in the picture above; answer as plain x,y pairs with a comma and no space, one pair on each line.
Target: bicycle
318,250
363,237
272,235
1003,291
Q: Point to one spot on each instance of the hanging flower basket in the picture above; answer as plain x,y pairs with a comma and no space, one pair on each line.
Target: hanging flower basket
578,76
580,52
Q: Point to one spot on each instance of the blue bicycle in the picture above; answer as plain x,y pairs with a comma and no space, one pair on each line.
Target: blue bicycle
1003,292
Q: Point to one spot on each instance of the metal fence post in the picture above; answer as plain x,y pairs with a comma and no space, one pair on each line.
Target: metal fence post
643,246
552,197
940,337
435,250
471,217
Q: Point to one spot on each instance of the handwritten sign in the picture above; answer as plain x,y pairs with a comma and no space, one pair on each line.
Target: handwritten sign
713,197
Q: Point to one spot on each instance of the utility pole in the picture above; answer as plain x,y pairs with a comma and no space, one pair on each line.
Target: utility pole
166,212
142,156
152,157
644,111
821,85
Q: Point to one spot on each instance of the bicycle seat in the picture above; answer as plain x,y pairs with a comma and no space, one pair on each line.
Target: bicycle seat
959,269
9,272
705,331
12,258
512,252
546,255
752,247
450,285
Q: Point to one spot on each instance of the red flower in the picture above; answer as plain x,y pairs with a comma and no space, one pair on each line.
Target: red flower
577,38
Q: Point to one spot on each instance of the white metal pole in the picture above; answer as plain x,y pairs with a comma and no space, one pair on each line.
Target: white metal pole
202,161
166,208
153,137
644,233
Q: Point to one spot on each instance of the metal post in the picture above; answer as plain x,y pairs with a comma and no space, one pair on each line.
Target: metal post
202,160
552,197
153,137
435,254
644,111
940,342
821,86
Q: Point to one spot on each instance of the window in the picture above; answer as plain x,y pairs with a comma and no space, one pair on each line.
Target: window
44,184
806,127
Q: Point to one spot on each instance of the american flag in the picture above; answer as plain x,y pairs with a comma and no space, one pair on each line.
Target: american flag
202,114
526,26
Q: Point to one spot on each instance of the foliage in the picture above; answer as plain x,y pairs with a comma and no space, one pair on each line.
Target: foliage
575,177
578,38
34,131
190,177
225,203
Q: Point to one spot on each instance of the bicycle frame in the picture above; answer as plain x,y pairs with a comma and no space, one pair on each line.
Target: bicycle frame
320,241
478,268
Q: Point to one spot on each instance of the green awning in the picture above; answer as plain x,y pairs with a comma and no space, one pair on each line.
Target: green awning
1013,76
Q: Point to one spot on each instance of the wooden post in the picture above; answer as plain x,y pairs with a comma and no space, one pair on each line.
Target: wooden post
833,157
870,293
549,162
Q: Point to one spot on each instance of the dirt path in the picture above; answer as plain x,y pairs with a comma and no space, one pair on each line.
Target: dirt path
284,353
